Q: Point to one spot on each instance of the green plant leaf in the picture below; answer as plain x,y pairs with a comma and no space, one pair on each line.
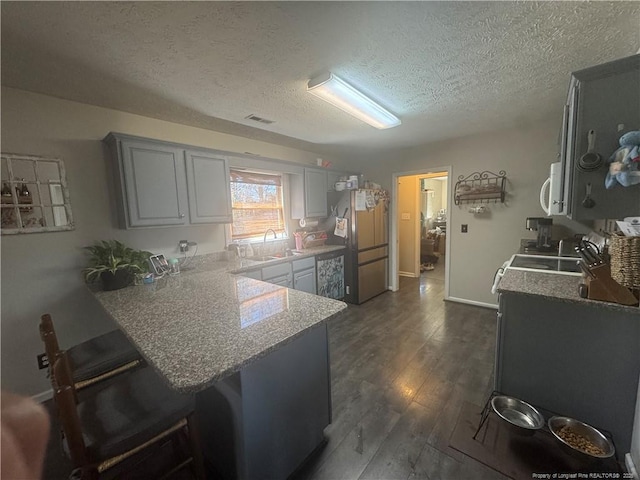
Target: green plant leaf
111,256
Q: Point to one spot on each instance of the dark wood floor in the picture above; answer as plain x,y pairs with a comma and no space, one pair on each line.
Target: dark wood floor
401,366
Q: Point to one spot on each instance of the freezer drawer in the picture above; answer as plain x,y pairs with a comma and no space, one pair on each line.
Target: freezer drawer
372,254
372,279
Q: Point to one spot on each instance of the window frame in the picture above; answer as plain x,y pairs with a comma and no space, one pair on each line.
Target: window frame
285,207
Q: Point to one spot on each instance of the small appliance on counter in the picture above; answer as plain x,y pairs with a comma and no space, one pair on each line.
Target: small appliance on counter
543,242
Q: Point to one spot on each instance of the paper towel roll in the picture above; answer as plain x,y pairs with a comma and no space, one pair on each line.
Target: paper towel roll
308,223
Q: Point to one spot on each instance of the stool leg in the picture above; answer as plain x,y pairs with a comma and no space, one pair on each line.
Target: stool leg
196,447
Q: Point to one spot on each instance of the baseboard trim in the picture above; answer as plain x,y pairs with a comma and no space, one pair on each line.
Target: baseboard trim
471,302
43,397
631,468
408,274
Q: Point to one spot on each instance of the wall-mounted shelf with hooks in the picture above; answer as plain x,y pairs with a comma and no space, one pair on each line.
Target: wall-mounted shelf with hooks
480,187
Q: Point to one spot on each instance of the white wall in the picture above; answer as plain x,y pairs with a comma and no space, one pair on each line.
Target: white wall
41,273
525,153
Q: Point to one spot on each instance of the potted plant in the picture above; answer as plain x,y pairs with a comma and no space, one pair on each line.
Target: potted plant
115,264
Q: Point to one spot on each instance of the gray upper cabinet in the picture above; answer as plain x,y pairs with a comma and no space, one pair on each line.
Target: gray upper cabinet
309,194
155,187
165,184
604,99
315,192
208,187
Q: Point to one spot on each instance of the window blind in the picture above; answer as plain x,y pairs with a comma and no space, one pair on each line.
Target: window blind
256,204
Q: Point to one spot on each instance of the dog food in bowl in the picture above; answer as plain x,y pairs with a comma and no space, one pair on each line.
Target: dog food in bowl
579,442
580,438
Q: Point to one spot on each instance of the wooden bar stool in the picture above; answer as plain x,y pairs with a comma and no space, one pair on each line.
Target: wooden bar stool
108,432
96,359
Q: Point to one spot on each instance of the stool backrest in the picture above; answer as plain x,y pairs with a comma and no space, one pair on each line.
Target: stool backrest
48,336
66,400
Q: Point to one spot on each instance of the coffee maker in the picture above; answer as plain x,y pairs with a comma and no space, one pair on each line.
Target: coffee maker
543,242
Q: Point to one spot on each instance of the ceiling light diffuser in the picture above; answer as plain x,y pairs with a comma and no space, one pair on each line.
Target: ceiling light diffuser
340,94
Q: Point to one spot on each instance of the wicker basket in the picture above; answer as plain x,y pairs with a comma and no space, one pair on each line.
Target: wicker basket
625,260
314,239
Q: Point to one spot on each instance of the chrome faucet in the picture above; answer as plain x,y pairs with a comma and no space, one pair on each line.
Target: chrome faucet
264,240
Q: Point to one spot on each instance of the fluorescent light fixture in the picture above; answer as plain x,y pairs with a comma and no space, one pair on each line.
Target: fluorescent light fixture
342,95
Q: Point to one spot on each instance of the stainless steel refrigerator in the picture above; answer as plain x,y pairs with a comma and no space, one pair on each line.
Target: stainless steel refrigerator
367,255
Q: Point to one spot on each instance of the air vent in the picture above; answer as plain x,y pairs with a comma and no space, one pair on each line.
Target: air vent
255,118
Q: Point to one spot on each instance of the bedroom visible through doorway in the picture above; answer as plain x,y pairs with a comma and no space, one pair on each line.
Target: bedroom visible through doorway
421,224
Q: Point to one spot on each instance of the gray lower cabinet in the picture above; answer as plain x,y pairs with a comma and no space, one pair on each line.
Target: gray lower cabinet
283,281
576,359
304,275
279,274
297,274
309,194
265,420
165,184
255,274
305,280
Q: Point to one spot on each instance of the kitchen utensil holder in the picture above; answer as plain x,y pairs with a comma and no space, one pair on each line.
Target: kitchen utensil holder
624,253
603,287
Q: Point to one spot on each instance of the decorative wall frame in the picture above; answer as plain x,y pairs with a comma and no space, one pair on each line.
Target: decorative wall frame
34,195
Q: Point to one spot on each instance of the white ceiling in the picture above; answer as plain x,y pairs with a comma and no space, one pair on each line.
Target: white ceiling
447,69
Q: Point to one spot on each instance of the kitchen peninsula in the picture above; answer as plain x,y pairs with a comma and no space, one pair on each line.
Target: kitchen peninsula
566,354
255,354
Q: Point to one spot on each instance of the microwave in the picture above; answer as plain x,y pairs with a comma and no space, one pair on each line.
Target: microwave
551,192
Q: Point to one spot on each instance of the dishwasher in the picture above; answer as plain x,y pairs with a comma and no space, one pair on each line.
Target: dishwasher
330,274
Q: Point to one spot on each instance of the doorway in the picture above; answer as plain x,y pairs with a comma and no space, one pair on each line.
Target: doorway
419,219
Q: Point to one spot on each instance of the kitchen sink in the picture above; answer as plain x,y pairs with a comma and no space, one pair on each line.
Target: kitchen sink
291,253
262,258
266,258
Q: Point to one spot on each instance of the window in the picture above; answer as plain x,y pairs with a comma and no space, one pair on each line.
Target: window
256,203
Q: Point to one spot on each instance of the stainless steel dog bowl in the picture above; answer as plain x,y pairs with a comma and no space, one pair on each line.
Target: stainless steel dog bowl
586,432
524,418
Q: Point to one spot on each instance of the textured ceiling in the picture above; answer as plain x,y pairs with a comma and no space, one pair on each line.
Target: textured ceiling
447,69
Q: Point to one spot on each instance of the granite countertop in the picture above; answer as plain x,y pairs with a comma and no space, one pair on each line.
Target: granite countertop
200,326
553,286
